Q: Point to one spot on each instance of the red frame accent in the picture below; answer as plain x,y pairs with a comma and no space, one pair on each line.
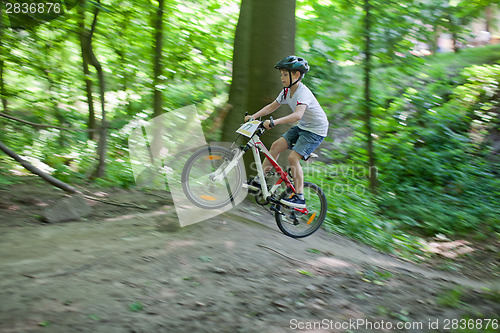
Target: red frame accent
302,210
279,170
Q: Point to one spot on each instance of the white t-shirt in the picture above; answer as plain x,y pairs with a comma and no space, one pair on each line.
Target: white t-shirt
314,119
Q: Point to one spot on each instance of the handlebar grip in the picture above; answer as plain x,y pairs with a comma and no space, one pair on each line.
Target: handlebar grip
246,114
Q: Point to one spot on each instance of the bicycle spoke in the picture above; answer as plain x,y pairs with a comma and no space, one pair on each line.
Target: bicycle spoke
198,175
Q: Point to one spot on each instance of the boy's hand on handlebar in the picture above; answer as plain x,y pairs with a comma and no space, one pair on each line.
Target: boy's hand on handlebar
267,125
248,118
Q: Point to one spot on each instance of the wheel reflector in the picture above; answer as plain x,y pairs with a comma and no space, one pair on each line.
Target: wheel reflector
213,157
311,218
208,197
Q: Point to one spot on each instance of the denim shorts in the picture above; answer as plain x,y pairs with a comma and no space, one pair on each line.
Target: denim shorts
301,141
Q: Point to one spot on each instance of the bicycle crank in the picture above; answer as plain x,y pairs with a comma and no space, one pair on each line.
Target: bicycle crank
291,218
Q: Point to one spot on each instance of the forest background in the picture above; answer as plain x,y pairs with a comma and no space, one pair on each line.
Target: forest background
414,155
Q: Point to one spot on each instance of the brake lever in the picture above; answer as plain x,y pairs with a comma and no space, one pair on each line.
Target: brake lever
250,119
271,122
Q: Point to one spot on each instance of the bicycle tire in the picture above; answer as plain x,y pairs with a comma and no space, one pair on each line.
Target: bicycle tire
303,225
197,186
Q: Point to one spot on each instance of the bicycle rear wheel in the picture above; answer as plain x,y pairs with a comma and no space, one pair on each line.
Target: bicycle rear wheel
296,224
197,184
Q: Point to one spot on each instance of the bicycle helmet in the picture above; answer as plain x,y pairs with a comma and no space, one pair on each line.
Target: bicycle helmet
293,63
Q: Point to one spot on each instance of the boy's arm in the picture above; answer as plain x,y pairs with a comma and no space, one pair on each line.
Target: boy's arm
270,108
291,118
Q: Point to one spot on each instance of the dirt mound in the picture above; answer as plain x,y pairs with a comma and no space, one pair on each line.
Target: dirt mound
129,270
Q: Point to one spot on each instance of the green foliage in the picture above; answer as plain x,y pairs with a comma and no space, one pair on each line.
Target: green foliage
43,78
94,317
136,307
432,120
375,276
304,272
436,172
451,298
432,155
5,178
353,210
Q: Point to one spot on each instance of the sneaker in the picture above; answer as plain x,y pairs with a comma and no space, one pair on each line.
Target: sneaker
294,202
252,186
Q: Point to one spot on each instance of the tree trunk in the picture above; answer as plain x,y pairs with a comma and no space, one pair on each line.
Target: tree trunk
158,80
372,174
91,123
3,94
157,68
488,11
238,93
124,74
262,39
52,85
2,86
89,55
102,146
433,38
83,37
55,106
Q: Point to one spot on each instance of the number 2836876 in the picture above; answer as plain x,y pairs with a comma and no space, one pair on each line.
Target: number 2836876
40,7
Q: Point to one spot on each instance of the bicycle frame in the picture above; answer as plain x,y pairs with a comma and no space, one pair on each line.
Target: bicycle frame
257,147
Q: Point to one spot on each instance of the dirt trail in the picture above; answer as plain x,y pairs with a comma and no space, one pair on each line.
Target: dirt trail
343,252
122,270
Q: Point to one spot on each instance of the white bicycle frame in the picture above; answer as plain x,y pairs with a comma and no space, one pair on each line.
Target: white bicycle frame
256,145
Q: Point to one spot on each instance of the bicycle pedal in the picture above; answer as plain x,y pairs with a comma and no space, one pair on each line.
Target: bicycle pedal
273,208
252,189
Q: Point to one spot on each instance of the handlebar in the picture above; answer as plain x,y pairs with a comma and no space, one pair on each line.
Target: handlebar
256,127
271,120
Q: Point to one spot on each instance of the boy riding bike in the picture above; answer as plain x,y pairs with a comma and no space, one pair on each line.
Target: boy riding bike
303,138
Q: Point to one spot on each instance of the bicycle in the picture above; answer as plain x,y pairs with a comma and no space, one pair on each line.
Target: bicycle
213,176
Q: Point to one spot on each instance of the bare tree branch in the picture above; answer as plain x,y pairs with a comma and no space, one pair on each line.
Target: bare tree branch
48,178
45,126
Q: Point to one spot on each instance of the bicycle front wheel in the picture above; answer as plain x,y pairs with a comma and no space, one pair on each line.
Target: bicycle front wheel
197,182
296,224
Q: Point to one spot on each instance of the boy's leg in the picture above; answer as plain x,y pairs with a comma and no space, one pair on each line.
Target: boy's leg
277,148
306,144
297,172
298,200
283,143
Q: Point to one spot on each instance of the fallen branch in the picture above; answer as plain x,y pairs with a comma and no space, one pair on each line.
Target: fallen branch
89,196
76,270
45,126
293,260
114,203
48,178
69,272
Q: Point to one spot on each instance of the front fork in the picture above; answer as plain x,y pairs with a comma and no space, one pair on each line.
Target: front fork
225,168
